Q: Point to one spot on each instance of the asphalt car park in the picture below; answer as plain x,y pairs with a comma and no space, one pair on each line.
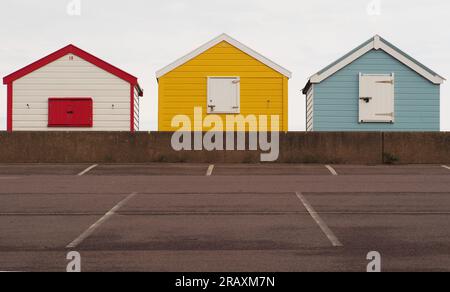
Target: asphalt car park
222,218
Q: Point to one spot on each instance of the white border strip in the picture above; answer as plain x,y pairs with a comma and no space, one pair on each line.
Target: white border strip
210,170
446,167
333,239
97,224
332,170
87,170
318,78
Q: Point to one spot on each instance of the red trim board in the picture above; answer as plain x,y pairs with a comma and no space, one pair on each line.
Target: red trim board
9,119
70,49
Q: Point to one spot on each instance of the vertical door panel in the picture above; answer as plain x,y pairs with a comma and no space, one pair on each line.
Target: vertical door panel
376,98
70,112
224,95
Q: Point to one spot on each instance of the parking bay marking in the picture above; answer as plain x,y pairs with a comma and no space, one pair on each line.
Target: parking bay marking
332,170
102,220
331,236
446,167
87,170
210,170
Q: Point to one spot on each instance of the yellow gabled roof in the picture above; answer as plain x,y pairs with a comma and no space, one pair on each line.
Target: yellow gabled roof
216,41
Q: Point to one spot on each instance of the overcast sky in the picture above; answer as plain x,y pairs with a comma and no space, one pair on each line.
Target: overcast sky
142,36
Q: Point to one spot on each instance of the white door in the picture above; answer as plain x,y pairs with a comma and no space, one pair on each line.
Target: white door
376,98
224,95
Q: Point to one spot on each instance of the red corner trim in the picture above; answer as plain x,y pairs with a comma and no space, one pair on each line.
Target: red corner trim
9,119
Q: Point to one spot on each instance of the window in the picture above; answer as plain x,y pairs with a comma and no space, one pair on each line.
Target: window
224,95
70,112
376,98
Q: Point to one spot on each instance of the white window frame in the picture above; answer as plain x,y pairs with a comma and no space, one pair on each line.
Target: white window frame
392,75
231,112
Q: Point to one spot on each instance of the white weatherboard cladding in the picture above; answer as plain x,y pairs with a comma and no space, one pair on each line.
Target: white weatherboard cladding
224,95
376,98
137,100
310,109
71,76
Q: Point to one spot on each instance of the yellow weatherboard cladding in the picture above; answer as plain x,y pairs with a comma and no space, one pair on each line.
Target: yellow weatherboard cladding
264,91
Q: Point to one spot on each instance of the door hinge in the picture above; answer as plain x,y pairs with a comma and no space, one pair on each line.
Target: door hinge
385,115
386,82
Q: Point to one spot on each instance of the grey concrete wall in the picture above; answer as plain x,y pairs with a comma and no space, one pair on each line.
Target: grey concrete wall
417,148
295,147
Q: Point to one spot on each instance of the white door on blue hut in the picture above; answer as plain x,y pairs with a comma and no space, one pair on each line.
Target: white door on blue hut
376,98
224,95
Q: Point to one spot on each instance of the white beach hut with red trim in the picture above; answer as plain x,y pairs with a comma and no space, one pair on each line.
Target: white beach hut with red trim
72,90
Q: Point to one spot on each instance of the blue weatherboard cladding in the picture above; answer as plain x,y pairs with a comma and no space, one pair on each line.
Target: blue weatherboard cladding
336,103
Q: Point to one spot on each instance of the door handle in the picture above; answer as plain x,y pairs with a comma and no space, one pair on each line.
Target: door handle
70,112
366,99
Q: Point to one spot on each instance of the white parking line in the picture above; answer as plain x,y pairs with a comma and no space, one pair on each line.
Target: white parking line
97,224
87,170
332,170
210,170
445,166
334,240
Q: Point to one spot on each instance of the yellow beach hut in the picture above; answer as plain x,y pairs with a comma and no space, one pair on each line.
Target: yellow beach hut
224,79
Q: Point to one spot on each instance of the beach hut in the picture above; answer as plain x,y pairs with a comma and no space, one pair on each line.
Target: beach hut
72,90
375,87
222,78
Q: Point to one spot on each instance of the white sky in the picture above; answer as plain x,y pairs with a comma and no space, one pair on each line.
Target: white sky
142,36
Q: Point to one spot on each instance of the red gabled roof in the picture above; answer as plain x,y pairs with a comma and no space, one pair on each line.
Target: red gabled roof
71,49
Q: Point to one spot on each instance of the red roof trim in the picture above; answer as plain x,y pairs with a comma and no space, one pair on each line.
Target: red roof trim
70,49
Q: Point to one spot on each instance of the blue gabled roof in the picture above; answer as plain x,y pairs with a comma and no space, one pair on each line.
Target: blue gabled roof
410,58
372,40
346,55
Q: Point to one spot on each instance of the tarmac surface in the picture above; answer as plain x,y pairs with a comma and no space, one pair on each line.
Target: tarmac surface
224,218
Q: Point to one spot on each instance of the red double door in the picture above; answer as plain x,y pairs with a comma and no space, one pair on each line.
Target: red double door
70,112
